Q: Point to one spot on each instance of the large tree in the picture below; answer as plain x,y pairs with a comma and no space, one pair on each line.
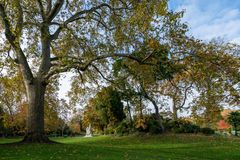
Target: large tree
215,73
47,37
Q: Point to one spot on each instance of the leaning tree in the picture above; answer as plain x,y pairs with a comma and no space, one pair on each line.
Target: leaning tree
47,37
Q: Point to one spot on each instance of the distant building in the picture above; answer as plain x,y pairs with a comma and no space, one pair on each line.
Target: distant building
222,124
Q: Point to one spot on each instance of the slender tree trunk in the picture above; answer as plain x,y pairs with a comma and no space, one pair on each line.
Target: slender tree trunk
175,115
157,114
129,112
35,119
140,106
158,117
80,126
63,131
236,133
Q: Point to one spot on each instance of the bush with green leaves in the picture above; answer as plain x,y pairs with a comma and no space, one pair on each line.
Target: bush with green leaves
207,131
183,126
124,128
151,125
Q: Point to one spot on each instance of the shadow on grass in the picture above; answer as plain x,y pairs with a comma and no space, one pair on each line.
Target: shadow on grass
20,141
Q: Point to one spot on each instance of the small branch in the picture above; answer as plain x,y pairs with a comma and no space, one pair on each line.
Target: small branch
105,78
185,96
78,14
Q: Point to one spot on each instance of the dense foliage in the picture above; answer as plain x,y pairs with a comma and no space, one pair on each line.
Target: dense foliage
234,120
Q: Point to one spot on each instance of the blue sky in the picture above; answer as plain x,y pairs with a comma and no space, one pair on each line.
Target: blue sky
208,19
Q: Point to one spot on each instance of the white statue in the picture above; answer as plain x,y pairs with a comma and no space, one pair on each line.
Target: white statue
89,131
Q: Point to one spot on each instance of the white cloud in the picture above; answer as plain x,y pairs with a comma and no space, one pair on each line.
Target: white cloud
212,20
65,85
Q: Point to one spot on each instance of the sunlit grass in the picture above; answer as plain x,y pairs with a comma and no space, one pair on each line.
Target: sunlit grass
166,147
9,140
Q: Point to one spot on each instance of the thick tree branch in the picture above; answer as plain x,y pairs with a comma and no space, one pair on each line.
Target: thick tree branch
25,69
82,66
46,60
79,14
55,10
60,69
49,6
41,9
185,96
9,35
19,25
129,56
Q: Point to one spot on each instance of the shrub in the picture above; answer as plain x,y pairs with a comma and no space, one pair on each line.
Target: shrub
153,126
183,126
149,124
124,128
207,131
190,128
109,130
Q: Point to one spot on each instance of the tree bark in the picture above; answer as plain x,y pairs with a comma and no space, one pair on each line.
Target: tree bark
129,112
235,127
157,114
175,110
35,119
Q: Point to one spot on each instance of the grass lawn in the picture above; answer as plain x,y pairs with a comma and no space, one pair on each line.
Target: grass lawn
161,147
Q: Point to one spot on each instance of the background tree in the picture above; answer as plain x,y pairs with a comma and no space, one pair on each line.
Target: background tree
215,74
179,91
108,107
76,122
63,112
149,78
13,102
234,120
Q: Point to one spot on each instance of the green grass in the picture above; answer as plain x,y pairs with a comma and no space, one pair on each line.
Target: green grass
8,140
161,147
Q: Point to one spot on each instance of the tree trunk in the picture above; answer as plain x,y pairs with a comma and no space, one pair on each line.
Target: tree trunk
158,117
35,119
80,126
175,115
157,114
140,106
63,131
236,133
129,112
